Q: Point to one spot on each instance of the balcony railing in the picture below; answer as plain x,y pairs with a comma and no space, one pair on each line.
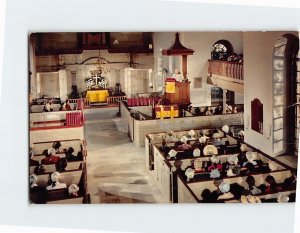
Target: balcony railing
228,69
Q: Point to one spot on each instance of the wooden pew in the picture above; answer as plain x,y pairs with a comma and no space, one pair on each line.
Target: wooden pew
68,177
72,165
165,171
196,188
39,147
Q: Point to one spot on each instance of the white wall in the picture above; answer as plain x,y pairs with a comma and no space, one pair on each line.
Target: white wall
258,83
117,61
197,64
49,84
201,43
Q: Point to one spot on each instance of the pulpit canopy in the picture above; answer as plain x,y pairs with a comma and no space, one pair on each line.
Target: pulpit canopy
177,48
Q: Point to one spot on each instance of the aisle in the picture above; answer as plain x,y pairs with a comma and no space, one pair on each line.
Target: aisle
116,169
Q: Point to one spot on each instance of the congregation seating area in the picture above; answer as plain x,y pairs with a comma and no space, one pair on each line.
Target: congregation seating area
189,167
67,158
138,127
38,105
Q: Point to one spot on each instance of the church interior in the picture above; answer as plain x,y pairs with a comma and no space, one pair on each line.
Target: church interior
163,117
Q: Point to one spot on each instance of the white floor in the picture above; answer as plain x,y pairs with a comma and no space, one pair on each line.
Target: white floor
116,169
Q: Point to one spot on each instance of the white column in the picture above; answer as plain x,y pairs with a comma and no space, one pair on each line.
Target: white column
63,87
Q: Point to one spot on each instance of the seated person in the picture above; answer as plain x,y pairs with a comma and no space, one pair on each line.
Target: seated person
164,147
73,190
290,182
214,163
218,142
37,194
208,111
224,189
56,145
242,158
251,185
250,199
197,111
234,109
185,146
48,107
228,108
272,185
61,165
208,197
218,110
32,162
237,190
55,184
51,157
66,106
70,156
232,57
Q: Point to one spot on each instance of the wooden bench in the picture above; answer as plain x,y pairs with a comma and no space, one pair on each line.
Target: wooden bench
193,190
72,165
67,177
165,173
39,147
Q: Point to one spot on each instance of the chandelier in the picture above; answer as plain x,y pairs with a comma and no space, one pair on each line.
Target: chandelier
103,68
97,80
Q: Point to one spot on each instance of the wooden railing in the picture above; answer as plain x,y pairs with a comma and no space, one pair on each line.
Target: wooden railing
228,69
115,100
77,102
86,103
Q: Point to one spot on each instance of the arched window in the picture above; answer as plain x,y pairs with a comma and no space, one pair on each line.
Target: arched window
286,95
221,50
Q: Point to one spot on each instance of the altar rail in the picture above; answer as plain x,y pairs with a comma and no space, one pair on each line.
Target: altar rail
115,100
228,69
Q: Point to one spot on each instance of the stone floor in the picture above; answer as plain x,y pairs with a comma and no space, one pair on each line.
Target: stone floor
116,169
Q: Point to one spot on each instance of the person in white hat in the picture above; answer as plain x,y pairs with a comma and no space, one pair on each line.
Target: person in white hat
73,190
251,157
225,128
33,181
202,139
214,159
225,190
283,198
189,173
272,165
214,174
233,159
55,184
191,133
250,199
172,153
196,152
37,194
210,150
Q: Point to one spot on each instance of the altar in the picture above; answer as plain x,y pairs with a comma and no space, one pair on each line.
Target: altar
97,96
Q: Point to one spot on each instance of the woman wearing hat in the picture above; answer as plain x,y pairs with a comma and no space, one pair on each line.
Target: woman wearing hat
51,157
55,184
214,159
250,199
224,188
37,194
272,185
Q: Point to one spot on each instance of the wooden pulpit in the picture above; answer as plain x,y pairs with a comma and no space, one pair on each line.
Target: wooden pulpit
181,95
